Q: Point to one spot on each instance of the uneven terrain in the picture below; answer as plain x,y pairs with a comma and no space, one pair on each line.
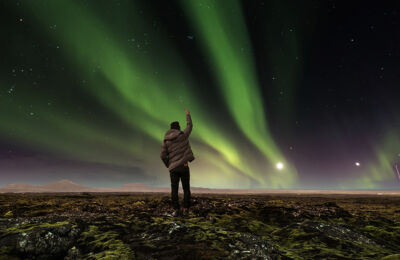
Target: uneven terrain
141,226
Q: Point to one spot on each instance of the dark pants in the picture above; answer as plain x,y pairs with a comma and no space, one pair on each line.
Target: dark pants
181,172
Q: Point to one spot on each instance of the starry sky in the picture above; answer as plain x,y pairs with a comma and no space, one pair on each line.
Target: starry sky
283,94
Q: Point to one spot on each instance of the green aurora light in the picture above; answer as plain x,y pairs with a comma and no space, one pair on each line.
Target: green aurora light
146,88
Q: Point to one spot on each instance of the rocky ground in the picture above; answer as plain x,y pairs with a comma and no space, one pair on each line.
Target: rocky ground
141,226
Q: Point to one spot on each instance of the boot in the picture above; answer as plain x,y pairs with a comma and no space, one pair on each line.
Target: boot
185,212
177,213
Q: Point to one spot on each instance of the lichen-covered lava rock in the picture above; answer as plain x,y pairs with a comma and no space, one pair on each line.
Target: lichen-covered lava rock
141,226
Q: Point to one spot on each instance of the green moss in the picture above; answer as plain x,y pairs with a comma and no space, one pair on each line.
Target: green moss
39,212
195,220
138,203
217,245
5,253
106,244
160,220
391,257
5,250
121,225
29,227
260,228
296,243
232,222
387,236
330,252
8,214
7,257
379,231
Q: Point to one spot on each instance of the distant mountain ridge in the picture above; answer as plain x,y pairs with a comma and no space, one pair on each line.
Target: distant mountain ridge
58,186
69,186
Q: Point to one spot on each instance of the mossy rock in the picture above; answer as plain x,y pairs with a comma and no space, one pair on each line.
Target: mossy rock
37,241
5,253
104,245
387,236
391,257
138,203
30,227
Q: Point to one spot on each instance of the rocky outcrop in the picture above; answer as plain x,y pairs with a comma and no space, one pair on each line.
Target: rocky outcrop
43,241
219,227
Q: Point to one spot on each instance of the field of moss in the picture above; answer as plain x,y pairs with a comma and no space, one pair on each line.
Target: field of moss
141,226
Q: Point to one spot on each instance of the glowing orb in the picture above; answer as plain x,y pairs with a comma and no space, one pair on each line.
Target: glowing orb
279,166
357,164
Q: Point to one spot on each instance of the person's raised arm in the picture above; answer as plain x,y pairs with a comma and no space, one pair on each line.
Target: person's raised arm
189,124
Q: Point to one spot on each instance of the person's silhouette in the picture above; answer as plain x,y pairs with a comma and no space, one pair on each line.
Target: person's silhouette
176,153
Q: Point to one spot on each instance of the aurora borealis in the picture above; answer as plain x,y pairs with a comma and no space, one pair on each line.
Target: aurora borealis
88,89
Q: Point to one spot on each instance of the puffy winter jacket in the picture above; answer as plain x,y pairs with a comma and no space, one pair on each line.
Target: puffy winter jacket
175,149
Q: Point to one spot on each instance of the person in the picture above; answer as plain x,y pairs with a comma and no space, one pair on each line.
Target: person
176,153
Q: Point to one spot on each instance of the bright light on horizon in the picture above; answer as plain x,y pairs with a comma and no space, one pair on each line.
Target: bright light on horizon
279,166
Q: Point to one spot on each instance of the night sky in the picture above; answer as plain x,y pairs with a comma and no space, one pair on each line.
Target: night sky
283,94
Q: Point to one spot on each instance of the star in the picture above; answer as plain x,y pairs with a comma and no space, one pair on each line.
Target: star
11,89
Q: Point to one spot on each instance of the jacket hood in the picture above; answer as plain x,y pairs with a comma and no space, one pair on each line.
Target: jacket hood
172,134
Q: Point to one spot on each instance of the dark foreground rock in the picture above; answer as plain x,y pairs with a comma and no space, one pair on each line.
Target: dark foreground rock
141,226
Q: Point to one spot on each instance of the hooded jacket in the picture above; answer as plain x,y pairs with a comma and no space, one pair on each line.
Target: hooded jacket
175,149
